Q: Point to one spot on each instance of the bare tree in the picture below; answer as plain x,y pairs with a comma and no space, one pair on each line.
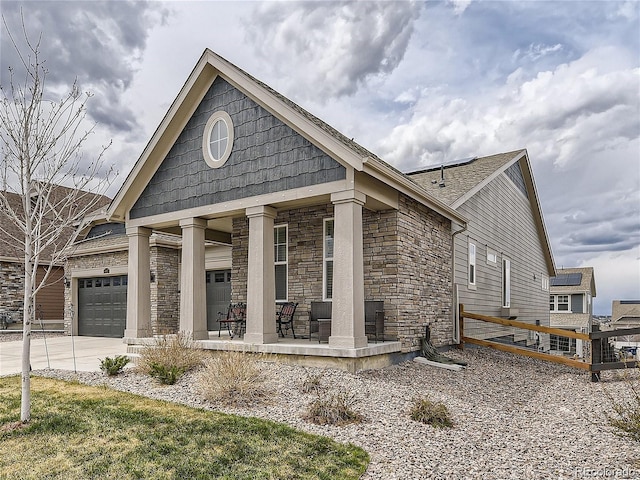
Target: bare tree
48,191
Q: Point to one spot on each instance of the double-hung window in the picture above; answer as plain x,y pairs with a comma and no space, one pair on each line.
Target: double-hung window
327,259
559,303
281,256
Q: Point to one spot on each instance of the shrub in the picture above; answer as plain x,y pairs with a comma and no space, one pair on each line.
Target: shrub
333,409
115,365
233,378
626,414
166,374
434,414
312,383
170,356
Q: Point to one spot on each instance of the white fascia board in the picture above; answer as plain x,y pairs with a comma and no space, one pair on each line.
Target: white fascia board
195,79
487,180
537,213
533,201
206,70
299,122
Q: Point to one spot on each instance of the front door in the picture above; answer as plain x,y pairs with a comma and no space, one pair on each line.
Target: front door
218,296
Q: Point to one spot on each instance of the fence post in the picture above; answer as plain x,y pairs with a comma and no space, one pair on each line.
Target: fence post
460,326
596,354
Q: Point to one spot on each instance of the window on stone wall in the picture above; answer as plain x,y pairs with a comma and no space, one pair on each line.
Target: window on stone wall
327,264
281,256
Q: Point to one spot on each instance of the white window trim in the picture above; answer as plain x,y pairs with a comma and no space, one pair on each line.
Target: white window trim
544,283
492,253
472,268
506,282
556,303
206,148
286,262
325,259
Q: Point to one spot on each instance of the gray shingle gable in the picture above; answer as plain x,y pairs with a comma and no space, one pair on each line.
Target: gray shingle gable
267,156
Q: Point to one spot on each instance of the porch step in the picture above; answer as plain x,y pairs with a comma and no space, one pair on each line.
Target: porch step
135,349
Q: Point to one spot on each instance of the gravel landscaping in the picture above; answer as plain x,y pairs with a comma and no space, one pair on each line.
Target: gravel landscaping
16,336
514,417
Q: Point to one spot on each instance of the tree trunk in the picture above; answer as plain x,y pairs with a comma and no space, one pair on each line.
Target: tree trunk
25,408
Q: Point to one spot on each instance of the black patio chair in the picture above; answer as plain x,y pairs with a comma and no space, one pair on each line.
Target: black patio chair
374,318
285,318
319,311
235,319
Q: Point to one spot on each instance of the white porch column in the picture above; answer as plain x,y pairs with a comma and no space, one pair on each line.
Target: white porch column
261,277
347,311
193,294
139,284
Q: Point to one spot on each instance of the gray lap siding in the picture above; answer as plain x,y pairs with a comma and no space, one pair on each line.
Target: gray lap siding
500,219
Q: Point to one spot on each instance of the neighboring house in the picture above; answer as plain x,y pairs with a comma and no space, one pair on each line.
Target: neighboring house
571,296
50,299
241,195
626,314
503,258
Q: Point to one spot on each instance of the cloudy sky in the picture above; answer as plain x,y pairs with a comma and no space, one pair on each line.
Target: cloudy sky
416,83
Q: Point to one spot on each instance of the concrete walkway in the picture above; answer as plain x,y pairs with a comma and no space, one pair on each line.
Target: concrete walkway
88,353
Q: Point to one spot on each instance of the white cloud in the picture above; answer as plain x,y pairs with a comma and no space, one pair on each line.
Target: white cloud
586,105
459,6
536,51
617,276
328,49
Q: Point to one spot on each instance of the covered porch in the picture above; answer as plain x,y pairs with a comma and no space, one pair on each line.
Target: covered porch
254,277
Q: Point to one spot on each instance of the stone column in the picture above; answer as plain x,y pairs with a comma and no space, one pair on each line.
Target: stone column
139,284
347,311
261,277
193,290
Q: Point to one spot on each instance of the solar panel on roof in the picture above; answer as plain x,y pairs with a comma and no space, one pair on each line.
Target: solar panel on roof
629,302
454,163
566,280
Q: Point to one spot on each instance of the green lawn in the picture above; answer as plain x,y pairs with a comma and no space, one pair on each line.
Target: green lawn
81,432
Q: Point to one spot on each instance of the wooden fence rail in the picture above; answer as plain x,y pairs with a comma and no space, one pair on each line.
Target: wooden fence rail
595,364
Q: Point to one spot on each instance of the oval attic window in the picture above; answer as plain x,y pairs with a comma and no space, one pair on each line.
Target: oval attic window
217,139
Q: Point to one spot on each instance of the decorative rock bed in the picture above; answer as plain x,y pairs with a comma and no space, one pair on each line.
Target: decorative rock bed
515,417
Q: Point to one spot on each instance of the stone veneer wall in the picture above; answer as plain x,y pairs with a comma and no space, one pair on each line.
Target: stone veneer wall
407,263
239,259
12,289
304,262
424,275
165,297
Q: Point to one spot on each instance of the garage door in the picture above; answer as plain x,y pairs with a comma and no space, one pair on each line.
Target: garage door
102,306
218,296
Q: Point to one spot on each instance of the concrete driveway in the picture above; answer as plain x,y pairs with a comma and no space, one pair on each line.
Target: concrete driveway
87,351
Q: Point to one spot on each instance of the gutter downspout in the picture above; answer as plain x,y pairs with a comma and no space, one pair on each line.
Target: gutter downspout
454,285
